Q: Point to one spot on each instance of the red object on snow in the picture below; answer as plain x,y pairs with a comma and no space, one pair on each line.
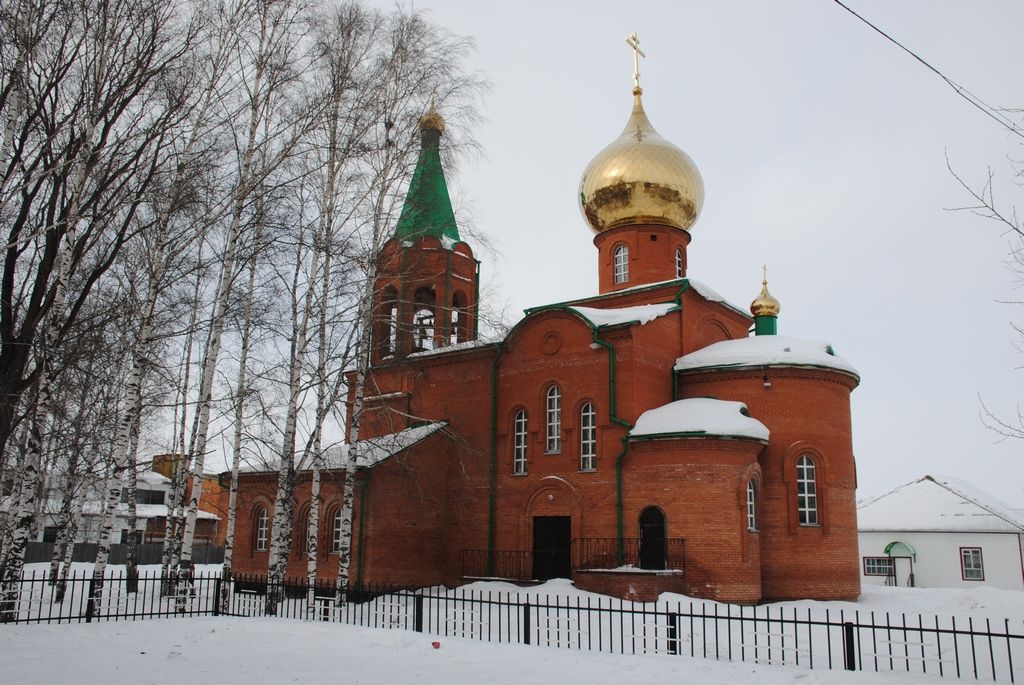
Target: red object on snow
436,644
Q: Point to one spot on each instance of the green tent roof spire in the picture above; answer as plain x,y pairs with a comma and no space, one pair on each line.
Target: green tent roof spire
428,207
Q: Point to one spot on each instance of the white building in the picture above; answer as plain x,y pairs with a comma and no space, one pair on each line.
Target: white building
938,532
152,492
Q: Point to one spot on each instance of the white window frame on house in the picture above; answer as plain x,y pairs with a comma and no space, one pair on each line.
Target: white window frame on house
972,566
553,421
620,263
588,437
262,530
336,532
752,505
679,263
879,566
806,491
519,443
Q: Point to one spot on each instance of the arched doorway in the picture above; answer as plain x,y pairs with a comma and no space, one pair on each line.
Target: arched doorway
653,546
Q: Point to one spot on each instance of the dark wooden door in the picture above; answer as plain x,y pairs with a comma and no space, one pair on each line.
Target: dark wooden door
652,539
552,547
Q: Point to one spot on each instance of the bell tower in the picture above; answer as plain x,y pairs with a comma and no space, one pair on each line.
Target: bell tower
427,287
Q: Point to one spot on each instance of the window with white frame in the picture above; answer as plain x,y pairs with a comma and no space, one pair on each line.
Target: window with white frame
806,492
553,414
879,566
588,437
620,263
679,263
970,563
751,504
336,532
259,539
519,443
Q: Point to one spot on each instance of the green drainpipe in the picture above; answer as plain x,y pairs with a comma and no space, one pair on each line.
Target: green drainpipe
612,391
476,302
363,495
675,374
492,484
625,440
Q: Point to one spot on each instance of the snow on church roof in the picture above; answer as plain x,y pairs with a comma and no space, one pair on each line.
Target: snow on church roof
700,416
937,503
765,350
640,314
375,450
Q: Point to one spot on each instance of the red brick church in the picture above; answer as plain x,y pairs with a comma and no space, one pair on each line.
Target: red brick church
651,437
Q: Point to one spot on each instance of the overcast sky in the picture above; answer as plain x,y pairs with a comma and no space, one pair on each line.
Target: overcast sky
822,149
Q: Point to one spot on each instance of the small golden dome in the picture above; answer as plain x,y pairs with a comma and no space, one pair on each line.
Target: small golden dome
432,121
765,304
641,178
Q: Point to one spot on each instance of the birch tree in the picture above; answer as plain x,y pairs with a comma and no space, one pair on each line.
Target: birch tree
92,91
275,121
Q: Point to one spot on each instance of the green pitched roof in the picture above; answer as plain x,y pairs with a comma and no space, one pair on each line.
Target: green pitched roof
428,207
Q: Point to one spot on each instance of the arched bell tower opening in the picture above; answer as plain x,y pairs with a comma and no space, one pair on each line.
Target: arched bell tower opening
424,320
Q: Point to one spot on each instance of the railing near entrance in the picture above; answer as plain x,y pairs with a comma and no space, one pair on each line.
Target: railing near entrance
603,553
586,553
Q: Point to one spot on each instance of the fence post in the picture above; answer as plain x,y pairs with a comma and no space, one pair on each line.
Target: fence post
526,623
849,652
417,613
90,604
216,596
673,632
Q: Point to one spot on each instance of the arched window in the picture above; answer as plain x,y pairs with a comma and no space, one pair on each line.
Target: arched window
553,415
387,328
620,262
519,443
588,438
806,492
679,263
457,332
336,532
259,530
423,320
751,504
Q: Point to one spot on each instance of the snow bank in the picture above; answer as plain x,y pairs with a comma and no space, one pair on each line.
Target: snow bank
701,416
765,350
640,314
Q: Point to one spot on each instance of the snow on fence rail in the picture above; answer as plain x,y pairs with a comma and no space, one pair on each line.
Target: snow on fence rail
810,637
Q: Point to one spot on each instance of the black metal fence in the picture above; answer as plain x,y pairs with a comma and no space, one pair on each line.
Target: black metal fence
808,637
36,600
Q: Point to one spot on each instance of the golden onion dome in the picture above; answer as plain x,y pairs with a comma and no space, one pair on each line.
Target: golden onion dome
432,121
641,178
765,304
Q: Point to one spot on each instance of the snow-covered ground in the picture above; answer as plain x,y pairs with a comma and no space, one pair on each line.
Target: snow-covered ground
275,651
269,650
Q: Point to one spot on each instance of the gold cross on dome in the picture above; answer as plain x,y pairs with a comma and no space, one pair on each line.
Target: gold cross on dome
634,42
764,272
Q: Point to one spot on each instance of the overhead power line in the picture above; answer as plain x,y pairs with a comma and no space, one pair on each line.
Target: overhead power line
989,111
